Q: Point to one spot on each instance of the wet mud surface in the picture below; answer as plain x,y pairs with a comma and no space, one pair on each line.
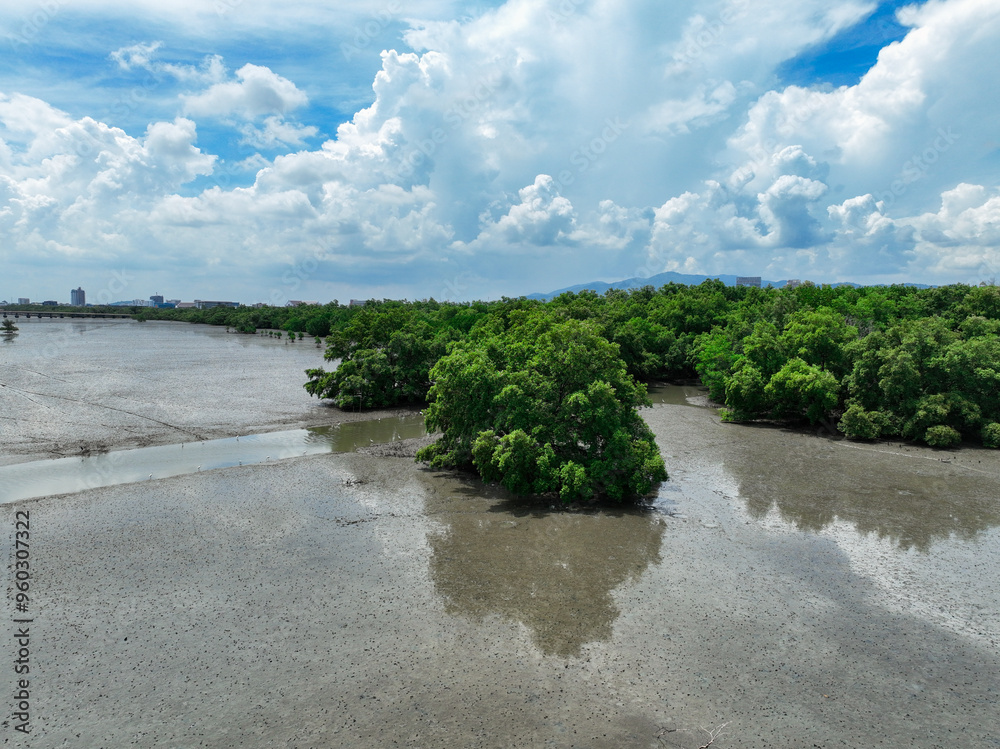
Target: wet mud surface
83,388
801,590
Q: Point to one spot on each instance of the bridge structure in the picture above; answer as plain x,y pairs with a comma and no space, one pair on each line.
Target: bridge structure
106,315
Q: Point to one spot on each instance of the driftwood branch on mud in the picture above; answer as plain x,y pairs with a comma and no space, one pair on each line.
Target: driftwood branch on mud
713,734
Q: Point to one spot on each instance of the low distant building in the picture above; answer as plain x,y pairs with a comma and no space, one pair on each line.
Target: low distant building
204,304
185,305
78,297
357,303
23,300
157,301
297,303
50,303
748,281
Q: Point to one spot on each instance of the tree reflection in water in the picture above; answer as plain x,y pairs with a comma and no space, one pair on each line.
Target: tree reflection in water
554,572
907,495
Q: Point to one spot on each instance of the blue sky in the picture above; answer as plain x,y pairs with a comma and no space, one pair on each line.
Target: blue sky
265,151
843,59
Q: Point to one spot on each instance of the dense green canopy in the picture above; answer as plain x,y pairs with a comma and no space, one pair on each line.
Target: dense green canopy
544,406
896,361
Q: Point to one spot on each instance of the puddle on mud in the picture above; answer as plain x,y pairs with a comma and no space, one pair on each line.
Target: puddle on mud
43,478
553,572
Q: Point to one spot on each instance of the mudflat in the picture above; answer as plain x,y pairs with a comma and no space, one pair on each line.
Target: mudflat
85,387
801,590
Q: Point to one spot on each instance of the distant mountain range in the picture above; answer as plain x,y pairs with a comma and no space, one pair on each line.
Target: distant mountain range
662,279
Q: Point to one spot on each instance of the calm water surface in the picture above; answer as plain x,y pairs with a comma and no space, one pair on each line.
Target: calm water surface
62,475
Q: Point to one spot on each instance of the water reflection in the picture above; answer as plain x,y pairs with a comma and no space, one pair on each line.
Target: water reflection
678,395
909,498
84,327
350,435
62,475
553,572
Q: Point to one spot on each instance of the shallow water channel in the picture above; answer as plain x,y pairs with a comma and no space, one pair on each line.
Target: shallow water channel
43,478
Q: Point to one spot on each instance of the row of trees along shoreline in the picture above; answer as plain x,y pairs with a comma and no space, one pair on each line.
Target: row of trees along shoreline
542,396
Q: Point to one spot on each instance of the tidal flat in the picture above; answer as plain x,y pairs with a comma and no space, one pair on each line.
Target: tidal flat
801,590
87,386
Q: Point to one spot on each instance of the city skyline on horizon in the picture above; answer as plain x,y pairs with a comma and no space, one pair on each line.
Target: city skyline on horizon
163,298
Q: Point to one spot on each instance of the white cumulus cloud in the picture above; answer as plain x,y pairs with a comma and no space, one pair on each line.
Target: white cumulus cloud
544,143
256,92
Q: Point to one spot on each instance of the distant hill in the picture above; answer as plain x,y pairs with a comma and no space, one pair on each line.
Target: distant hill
662,279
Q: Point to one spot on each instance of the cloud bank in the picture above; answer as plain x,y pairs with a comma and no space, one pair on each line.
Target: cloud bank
530,146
